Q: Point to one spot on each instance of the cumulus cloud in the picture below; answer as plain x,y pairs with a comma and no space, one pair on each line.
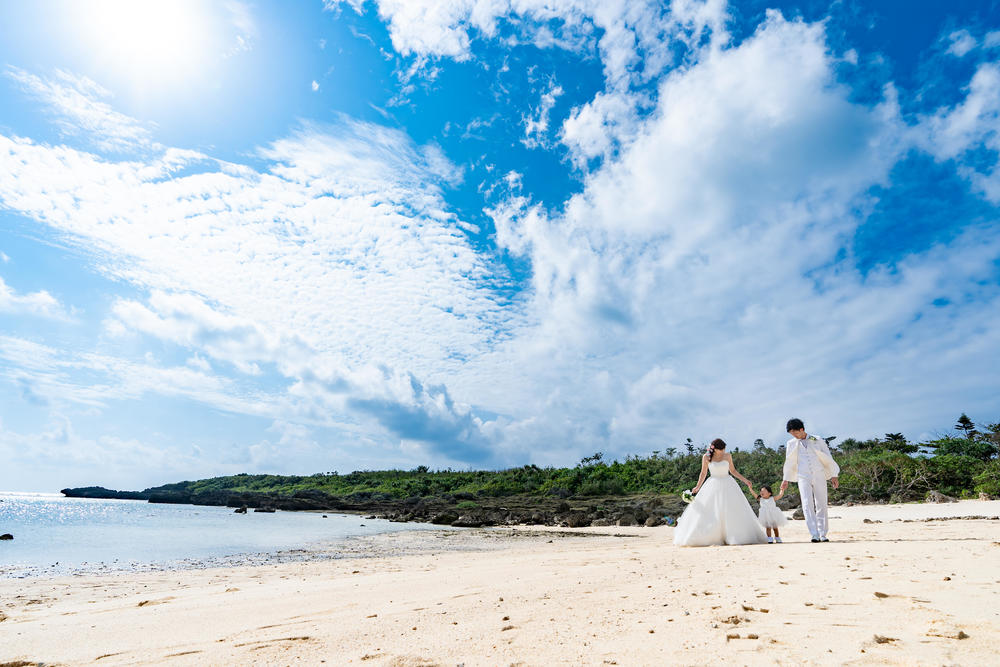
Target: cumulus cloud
636,42
40,303
716,249
599,127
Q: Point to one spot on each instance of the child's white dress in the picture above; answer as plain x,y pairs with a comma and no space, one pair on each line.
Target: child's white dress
769,514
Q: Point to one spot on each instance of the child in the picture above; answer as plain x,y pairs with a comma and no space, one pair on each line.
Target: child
770,516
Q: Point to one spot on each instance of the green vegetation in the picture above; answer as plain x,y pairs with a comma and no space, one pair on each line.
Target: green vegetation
880,469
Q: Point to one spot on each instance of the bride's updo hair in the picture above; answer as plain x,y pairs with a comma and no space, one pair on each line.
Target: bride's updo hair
717,444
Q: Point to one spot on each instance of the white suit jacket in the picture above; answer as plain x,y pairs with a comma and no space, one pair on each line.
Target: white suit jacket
791,470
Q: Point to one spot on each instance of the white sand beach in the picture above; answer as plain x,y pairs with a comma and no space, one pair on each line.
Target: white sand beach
902,591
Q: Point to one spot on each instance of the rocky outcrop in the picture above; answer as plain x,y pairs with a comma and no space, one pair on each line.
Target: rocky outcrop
459,509
101,492
938,497
626,519
6,536
469,521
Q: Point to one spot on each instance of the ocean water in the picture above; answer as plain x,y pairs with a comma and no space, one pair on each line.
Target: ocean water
54,535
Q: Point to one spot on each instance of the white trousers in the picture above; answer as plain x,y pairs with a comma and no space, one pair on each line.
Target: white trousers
812,490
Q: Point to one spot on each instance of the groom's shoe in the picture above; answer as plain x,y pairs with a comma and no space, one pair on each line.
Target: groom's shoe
815,539
824,539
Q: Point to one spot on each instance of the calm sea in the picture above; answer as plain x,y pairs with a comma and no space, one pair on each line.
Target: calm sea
56,535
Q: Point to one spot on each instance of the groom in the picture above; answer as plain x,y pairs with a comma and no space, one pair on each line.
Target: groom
808,462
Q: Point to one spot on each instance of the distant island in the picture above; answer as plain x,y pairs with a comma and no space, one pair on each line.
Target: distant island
638,490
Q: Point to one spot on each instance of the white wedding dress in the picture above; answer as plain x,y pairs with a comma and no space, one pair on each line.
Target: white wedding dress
719,514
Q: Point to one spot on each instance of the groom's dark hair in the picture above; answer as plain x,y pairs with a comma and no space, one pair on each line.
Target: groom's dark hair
794,425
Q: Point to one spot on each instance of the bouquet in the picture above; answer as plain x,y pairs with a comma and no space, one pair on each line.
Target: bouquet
687,496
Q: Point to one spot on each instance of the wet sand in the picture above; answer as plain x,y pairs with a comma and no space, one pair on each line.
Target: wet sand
897,590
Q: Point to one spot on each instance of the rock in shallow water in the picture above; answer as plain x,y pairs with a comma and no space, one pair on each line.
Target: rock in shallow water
6,536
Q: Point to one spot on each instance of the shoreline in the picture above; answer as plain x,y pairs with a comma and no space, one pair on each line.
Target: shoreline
416,540
918,588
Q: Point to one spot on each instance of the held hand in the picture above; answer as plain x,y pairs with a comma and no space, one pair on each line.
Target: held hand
784,485
836,482
696,489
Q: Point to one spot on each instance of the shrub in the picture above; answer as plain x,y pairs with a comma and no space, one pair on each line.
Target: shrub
978,449
988,479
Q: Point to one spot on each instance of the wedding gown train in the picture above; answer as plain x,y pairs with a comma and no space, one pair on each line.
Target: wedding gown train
719,514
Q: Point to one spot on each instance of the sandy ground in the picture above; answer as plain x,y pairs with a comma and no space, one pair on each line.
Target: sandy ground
903,591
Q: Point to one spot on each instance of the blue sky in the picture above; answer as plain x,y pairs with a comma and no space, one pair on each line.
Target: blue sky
315,236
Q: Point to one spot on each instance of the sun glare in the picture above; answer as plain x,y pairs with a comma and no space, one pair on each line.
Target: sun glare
147,41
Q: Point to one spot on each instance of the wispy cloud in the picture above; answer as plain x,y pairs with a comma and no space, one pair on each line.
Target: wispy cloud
242,19
969,132
76,104
536,125
67,378
340,267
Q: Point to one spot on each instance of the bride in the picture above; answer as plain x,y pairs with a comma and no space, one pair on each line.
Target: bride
720,513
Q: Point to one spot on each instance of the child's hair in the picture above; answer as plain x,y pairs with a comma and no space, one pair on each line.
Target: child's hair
794,425
718,443
765,487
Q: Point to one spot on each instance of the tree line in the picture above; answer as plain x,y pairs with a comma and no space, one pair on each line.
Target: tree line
963,463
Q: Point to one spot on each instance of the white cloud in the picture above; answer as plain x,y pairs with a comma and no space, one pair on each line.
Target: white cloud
536,126
315,86
340,267
92,379
637,42
960,42
40,303
448,29
716,250
241,18
58,456
76,104
702,283
597,128
950,133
